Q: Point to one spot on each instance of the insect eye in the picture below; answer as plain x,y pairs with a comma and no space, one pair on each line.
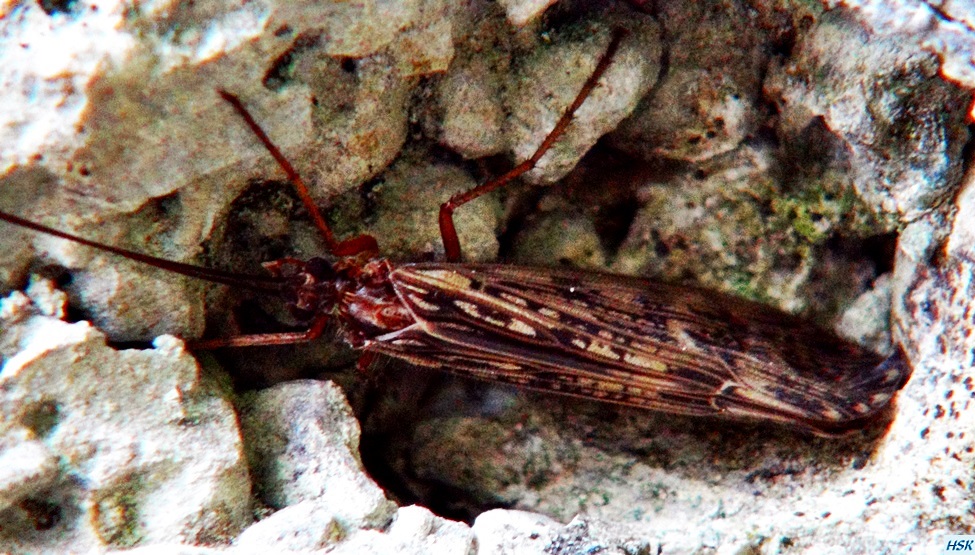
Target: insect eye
301,314
320,269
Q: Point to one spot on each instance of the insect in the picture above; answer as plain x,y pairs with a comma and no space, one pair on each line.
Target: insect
622,340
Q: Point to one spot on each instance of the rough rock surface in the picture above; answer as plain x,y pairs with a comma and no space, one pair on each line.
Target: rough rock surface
778,150
305,447
104,448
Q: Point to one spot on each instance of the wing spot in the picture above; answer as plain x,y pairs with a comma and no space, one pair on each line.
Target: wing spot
463,328
469,308
453,279
473,311
548,312
514,299
610,387
580,343
508,366
645,347
768,403
495,322
521,327
878,399
602,349
831,414
644,362
407,342
425,305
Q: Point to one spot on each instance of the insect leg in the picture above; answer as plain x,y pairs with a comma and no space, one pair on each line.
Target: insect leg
262,339
347,247
447,230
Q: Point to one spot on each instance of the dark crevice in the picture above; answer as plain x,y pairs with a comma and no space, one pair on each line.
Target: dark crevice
41,417
444,500
939,255
54,7
41,513
876,250
880,250
968,151
390,419
281,71
525,200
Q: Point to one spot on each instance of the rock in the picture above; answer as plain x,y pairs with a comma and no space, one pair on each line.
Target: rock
405,190
472,114
520,12
168,549
500,532
944,31
303,527
707,100
414,531
547,83
303,445
27,467
128,79
897,126
109,449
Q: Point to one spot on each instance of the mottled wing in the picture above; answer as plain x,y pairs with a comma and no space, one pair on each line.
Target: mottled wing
636,342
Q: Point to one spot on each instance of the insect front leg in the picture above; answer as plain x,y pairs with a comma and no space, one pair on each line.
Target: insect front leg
360,244
264,339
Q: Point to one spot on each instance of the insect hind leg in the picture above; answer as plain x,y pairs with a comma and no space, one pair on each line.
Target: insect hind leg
448,232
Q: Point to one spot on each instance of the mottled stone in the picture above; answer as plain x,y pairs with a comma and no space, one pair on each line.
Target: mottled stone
549,80
304,526
413,531
112,448
899,128
303,445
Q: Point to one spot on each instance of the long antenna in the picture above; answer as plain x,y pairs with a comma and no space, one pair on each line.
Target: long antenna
253,282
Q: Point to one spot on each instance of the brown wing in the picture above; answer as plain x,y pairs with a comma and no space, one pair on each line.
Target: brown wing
635,342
